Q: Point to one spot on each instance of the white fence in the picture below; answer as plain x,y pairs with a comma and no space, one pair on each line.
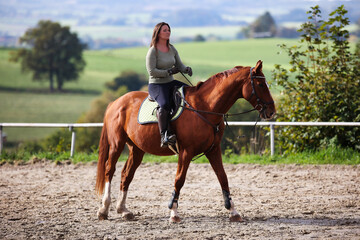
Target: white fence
72,127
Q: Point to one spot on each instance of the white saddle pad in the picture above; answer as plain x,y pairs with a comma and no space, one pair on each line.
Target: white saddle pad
147,111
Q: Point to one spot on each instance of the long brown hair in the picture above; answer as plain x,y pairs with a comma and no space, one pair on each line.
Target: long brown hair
155,36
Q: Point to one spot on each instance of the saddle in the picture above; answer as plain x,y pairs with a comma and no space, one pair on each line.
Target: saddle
148,108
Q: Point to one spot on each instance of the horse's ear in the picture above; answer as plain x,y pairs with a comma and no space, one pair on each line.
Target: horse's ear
258,67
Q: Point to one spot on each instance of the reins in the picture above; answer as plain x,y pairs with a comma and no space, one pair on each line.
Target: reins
215,127
223,115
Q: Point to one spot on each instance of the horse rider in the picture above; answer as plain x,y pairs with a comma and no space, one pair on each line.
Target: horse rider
162,62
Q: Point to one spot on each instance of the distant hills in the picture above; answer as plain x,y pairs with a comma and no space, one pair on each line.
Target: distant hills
179,12
18,15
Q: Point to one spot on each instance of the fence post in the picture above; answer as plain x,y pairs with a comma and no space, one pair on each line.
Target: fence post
1,139
73,136
272,139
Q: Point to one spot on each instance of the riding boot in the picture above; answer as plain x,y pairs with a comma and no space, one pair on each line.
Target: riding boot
163,120
171,135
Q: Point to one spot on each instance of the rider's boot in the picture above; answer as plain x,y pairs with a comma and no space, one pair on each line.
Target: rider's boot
171,135
163,120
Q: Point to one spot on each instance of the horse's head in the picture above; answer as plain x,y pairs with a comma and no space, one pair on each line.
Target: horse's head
256,91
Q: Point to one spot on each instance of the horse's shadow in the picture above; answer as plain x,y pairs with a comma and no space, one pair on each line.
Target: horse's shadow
299,221
321,221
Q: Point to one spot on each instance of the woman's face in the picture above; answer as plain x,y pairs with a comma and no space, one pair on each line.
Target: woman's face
164,32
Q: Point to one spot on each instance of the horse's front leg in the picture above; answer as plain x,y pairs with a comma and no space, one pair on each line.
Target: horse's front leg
215,160
183,165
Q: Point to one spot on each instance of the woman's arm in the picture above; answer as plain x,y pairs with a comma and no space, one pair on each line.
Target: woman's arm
178,62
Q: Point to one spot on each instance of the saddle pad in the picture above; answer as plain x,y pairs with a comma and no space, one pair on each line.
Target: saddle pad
147,111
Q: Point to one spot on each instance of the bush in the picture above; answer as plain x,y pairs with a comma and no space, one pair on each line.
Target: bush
326,88
87,139
242,139
59,141
132,80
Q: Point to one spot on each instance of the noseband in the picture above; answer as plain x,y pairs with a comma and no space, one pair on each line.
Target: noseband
260,103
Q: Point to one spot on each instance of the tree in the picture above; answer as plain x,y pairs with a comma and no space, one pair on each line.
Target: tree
326,85
132,80
199,38
264,26
53,51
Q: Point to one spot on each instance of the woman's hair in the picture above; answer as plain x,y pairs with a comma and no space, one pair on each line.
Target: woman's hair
155,36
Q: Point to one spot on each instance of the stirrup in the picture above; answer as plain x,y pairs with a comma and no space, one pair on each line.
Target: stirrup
171,139
164,143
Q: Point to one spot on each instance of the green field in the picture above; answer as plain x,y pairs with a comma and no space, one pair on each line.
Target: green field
206,59
23,100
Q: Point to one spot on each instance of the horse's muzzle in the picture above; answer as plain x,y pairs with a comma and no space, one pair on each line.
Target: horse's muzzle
268,112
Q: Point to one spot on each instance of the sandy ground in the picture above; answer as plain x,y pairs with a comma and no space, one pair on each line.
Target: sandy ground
48,201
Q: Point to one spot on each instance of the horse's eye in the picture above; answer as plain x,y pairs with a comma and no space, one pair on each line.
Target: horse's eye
262,85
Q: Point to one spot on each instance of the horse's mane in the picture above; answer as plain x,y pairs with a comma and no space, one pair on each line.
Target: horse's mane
219,76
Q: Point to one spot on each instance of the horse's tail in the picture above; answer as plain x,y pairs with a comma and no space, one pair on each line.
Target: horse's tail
103,157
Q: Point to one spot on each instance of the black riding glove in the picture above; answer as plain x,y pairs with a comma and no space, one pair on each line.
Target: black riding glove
189,71
173,70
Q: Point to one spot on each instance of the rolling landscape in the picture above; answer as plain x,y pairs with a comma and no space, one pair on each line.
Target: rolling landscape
292,182
23,100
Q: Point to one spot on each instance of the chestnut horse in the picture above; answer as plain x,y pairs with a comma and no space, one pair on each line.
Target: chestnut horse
217,95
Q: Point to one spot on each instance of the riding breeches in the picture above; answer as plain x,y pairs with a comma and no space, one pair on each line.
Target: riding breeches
163,93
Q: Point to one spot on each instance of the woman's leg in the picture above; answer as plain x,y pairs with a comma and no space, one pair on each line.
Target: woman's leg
161,93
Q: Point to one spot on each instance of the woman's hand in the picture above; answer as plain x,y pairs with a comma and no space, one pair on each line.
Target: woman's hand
173,70
189,71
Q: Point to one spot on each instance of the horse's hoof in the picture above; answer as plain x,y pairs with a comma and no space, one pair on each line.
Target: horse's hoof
102,216
236,218
174,219
128,216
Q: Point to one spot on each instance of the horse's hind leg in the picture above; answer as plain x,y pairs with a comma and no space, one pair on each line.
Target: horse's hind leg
127,174
114,154
215,160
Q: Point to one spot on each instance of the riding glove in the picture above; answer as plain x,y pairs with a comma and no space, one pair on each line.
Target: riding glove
173,70
189,71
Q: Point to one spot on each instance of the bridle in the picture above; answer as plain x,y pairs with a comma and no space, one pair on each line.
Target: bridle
259,102
263,105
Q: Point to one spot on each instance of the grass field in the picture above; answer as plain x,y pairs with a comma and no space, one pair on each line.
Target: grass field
23,100
206,59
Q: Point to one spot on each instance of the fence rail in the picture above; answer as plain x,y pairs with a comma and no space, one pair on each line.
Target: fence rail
72,127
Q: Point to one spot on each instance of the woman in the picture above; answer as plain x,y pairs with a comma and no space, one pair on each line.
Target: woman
162,62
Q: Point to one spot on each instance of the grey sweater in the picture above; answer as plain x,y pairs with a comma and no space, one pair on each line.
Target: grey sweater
158,63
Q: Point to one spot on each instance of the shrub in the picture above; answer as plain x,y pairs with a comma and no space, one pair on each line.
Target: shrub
326,86
132,80
87,139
